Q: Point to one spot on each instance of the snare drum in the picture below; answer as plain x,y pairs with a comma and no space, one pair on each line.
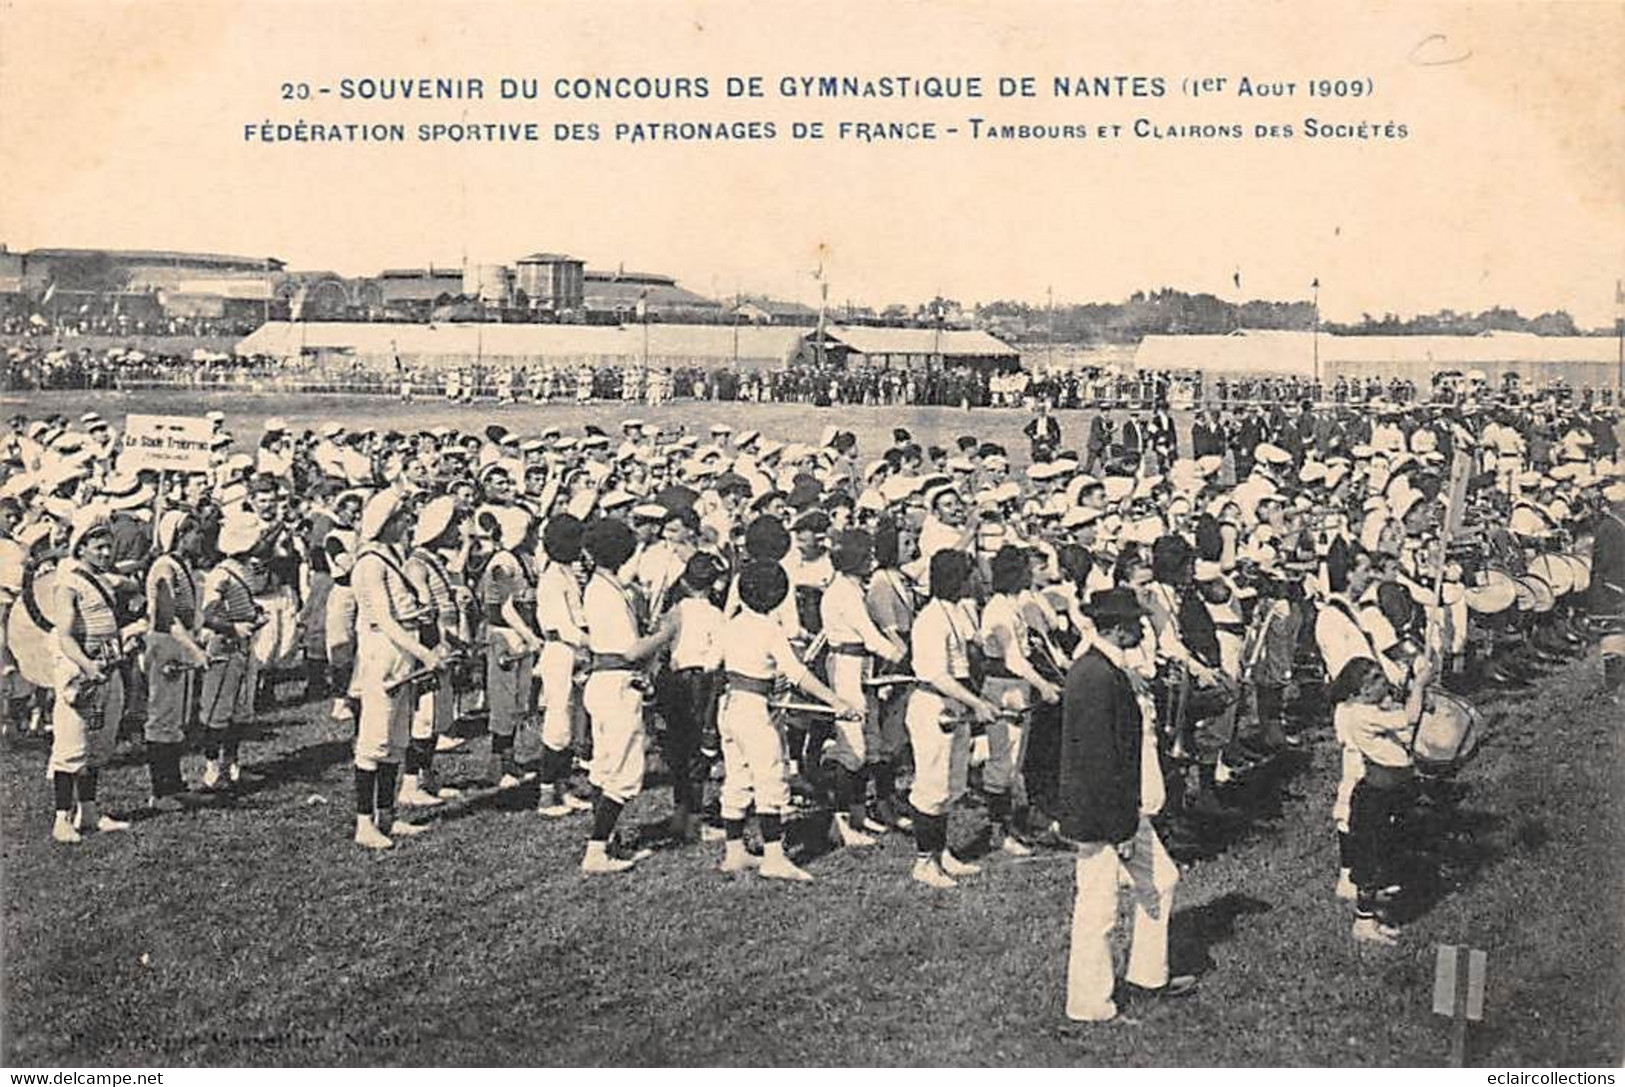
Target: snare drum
1555,571
1447,736
1495,592
1535,595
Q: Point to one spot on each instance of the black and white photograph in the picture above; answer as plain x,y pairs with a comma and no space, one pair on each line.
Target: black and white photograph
898,535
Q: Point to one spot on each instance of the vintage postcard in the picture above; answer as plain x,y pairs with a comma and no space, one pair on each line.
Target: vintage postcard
706,534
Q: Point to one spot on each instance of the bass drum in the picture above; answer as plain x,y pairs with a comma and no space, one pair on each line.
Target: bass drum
1535,595
1580,570
1448,734
1555,571
33,645
1495,592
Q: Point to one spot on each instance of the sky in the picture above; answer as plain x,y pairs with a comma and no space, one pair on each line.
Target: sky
121,125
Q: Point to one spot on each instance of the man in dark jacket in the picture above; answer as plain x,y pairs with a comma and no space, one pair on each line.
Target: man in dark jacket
1110,786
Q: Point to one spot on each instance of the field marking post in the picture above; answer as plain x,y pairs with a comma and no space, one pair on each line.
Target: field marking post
1458,991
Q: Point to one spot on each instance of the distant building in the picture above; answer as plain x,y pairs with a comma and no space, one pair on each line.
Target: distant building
772,311
624,294
551,282
413,293
142,281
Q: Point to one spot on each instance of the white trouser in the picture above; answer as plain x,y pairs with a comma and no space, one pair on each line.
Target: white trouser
615,707
941,759
855,740
385,721
1005,733
1151,877
753,760
558,690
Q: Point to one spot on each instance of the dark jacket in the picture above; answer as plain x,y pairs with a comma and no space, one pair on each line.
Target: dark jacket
1100,753
1608,567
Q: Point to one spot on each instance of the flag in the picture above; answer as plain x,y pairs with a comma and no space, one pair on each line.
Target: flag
50,292
1236,278
1315,283
642,308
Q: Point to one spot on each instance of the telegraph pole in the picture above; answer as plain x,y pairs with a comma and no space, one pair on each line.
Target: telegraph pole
1316,339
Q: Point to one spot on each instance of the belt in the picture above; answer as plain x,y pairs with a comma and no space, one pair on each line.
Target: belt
612,662
848,649
738,681
999,671
551,636
1231,628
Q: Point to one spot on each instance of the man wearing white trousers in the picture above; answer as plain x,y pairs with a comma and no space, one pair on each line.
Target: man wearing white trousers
1110,787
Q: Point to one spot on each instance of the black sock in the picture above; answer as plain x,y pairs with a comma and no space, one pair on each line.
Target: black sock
772,827
62,791
885,779
211,746
733,829
1344,850
88,780
844,788
420,756
366,791
389,776
230,746
605,813
856,807
555,765
1613,672
998,808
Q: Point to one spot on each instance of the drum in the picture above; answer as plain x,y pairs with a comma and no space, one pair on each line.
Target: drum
1555,571
1535,595
1448,734
1495,592
1580,569
32,646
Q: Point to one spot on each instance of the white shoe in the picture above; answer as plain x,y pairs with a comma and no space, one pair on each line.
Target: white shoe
368,836
1345,886
1222,774
782,867
709,833
956,867
449,743
235,773
445,792
1015,847
1369,930
598,862
1104,1015
928,872
342,711
510,781
738,862
576,803
63,831
870,826
402,829
415,797
211,774
848,836
108,823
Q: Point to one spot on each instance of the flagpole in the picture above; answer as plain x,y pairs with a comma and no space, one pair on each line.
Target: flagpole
1316,339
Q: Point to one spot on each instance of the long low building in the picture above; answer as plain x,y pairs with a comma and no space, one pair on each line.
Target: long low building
1579,360
378,346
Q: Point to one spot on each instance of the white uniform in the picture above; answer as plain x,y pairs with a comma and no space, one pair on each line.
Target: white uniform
613,701
755,769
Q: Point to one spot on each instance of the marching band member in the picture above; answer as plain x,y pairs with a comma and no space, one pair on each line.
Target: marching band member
388,652
173,652
755,652
231,617
853,638
940,645
507,590
437,537
1011,682
613,696
89,685
564,645
1378,737
689,689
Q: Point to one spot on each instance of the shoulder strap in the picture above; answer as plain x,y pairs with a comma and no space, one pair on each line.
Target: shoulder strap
87,577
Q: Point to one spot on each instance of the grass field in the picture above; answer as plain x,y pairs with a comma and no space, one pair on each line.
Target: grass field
255,933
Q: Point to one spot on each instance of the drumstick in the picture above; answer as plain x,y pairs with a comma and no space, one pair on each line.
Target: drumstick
890,681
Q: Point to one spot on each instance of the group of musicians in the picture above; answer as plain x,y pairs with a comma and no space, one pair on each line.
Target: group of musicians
1092,648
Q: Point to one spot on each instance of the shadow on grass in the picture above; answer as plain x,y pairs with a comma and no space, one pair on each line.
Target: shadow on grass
1195,930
